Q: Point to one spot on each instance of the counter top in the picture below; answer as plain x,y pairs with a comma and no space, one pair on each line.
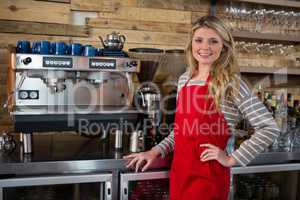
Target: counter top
70,153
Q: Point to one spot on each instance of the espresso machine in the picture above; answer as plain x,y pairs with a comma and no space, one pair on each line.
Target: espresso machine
67,93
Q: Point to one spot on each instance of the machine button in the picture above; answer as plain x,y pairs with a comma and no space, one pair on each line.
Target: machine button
131,64
27,60
128,65
33,95
23,95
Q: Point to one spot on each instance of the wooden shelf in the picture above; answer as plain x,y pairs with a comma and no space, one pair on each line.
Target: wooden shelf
284,3
265,36
268,70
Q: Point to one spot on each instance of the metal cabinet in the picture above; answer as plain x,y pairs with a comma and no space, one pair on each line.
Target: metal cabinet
144,186
270,181
73,187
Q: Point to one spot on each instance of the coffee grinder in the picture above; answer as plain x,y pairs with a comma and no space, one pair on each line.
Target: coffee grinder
156,95
148,95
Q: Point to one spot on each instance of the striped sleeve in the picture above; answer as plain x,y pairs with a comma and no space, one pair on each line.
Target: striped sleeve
167,144
265,127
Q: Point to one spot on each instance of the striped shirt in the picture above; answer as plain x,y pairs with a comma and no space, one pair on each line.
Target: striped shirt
244,105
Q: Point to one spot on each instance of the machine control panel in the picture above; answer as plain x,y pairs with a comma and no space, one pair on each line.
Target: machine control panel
97,63
58,62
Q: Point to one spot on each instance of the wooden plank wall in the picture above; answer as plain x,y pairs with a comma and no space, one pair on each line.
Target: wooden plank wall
5,122
145,23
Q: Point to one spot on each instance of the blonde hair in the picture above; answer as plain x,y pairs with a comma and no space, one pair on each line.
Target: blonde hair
224,71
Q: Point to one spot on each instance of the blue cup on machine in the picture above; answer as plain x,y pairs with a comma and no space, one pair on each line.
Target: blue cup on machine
75,49
23,46
89,50
36,47
45,47
59,48
41,47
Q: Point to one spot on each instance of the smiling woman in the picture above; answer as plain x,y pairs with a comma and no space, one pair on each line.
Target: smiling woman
211,99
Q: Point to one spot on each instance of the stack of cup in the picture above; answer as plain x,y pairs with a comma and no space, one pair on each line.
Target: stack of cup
44,47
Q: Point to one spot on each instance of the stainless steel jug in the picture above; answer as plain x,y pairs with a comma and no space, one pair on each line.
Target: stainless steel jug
137,142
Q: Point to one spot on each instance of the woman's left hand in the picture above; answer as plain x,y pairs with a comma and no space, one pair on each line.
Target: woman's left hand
215,153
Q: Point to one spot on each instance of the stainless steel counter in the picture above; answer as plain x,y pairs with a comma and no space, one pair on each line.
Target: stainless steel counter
69,153
266,168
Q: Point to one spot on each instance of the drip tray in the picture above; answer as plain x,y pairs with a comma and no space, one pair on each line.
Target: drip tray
57,110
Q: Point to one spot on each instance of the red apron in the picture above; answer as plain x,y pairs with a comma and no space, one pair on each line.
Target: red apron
195,124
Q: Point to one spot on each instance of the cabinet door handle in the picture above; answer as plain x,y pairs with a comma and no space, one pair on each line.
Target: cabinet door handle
108,193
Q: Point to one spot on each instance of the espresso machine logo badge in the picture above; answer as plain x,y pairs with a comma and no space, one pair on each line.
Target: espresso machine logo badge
57,62
102,63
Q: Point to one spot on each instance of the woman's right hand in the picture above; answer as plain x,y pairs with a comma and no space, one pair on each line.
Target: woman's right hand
143,159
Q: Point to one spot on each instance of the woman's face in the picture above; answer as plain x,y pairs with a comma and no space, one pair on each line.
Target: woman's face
206,46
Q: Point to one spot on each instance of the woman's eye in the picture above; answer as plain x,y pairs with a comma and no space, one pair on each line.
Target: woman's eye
198,40
214,41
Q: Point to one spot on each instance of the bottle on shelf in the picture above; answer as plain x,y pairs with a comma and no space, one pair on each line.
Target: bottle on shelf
273,104
296,112
268,100
289,102
280,112
291,111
